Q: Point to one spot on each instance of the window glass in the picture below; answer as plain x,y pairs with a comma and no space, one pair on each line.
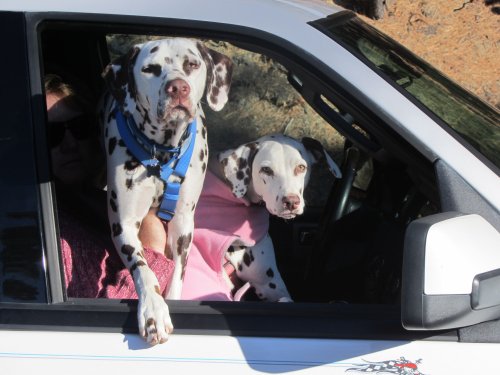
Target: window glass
477,122
22,271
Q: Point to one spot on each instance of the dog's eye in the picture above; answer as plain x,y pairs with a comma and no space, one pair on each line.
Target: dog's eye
267,171
301,168
194,64
152,69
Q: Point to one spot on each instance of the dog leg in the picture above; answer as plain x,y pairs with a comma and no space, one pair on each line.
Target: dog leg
257,265
181,227
125,219
180,237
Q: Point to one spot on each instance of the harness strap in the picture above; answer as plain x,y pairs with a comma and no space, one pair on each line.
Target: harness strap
177,165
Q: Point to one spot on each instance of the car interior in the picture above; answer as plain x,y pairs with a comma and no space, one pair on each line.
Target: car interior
347,247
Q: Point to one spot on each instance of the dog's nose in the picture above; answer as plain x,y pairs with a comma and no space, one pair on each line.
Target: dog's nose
178,88
291,202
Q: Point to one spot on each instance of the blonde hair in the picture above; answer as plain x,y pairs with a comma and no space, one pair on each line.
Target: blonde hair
55,85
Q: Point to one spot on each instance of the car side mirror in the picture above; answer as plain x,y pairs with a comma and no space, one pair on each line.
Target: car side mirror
451,272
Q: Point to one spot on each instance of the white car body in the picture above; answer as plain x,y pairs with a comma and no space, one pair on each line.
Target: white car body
63,348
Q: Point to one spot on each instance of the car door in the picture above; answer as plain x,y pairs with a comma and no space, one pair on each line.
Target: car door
41,324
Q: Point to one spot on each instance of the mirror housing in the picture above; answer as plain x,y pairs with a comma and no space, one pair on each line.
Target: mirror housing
451,272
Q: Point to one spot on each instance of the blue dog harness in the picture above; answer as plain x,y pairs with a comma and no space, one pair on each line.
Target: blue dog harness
145,150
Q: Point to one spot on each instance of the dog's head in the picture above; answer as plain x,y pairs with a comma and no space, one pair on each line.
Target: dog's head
167,79
276,168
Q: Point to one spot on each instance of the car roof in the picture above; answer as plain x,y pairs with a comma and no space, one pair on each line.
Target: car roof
242,12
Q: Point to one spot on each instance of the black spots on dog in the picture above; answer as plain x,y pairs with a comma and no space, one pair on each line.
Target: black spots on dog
154,69
204,132
193,207
116,229
224,162
183,243
157,289
272,285
253,146
233,248
242,163
129,183
154,49
267,171
184,259
128,250
168,60
240,175
131,164
139,263
168,135
138,224
214,95
119,78
270,272
203,167
111,116
202,155
248,258
121,143
277,197
159,198
113,194
111,145
113,205
150,327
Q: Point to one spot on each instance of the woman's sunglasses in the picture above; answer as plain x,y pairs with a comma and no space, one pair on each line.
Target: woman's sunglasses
81,127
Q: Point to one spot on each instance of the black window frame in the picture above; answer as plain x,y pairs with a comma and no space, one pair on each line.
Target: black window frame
326,25
22,245
300,320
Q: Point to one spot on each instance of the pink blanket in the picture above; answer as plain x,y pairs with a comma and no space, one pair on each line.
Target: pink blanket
220,219
93,269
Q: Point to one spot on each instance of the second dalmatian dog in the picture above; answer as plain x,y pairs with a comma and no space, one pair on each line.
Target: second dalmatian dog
242,188
157,154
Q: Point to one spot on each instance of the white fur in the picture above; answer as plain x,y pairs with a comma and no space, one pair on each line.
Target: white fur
139,83
269,170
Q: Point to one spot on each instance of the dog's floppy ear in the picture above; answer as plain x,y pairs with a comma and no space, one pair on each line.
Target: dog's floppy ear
237,167
119,78
319,153
219,75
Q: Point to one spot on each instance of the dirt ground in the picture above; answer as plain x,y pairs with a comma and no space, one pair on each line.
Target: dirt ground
461,38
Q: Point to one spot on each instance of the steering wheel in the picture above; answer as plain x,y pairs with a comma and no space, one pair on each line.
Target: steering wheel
336,208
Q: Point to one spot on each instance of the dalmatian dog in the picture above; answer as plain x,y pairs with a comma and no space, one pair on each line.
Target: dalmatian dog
272,172
158,87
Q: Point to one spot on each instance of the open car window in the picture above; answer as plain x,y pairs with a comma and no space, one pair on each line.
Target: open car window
343,252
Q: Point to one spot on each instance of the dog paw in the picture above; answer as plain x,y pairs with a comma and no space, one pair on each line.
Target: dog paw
155,324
